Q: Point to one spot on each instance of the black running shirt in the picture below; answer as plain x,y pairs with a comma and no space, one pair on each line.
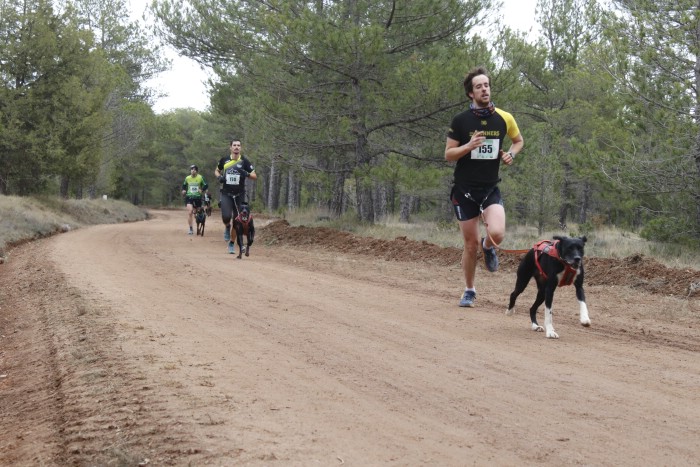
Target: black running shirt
235,182
480,167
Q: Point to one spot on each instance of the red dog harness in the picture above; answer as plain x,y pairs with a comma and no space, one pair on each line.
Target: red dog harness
549,247
245,223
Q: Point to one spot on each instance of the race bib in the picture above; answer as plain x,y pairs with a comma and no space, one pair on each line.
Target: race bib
233,178
488,150
194,189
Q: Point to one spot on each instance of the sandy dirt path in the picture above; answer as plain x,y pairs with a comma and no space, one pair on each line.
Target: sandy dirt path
136,344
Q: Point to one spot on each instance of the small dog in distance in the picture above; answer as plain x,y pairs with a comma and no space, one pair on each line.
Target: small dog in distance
201,218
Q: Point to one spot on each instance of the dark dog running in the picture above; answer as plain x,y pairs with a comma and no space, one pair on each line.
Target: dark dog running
244,226
207,204
552,264
201,218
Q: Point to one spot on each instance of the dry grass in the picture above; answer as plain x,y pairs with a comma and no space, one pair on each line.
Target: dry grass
606,242
23,218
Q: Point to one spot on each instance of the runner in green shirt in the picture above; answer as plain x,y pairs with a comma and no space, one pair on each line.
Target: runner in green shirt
193,188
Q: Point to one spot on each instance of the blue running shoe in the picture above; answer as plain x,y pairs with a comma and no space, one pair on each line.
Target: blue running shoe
190,232
490,257
468,298
231,248
227,234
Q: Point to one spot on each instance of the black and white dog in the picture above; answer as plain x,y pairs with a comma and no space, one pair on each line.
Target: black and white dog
552,264
244,227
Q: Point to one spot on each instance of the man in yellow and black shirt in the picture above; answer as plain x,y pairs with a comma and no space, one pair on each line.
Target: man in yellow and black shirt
232,172
475,143
193,188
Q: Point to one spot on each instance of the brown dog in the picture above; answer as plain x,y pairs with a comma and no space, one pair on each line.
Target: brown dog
201,218
245,227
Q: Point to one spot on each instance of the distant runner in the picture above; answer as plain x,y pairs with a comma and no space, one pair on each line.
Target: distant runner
194,187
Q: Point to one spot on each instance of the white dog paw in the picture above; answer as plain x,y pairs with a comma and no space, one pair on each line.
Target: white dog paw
552,335
537,328
583,314
510,311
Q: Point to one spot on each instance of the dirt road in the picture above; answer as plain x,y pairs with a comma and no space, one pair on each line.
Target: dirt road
136,344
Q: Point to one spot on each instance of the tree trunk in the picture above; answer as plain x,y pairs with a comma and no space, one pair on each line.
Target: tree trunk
542,207
264,173
391,196
250,190
379,202
364,203
273,194
695,190
696,196
292,187
696,155
566,196
585,201
338,195
63,189
405,203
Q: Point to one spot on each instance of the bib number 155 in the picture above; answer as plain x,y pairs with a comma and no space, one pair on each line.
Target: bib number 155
488,150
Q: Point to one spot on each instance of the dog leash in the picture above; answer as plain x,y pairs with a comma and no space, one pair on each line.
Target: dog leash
469,196
496,245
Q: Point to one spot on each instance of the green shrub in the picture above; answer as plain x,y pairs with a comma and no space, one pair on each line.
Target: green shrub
661,229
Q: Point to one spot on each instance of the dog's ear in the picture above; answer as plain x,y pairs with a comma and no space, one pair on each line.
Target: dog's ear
583,238
559,244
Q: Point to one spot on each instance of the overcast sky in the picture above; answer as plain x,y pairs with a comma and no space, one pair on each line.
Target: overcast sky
184,83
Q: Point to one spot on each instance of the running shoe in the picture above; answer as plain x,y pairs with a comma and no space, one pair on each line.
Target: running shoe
231,248
490,257
468,299
227,234
191,232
